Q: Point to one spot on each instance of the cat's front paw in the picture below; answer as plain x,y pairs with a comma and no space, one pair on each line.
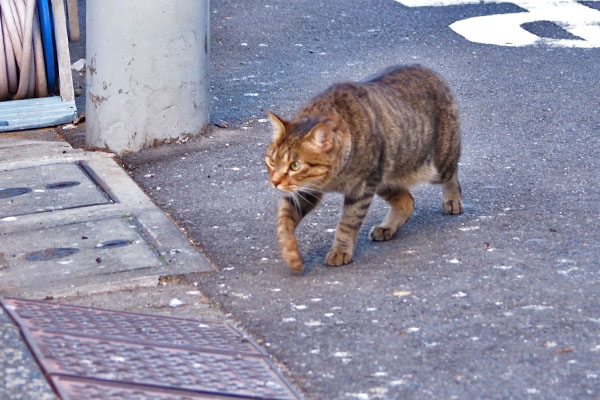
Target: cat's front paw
295,264
335,258
453,207
294,261
297,268
381,234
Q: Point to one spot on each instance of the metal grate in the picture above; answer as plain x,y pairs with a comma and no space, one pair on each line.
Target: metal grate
130,327
91,353
76,389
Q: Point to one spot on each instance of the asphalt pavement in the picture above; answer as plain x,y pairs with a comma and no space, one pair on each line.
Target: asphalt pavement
500,302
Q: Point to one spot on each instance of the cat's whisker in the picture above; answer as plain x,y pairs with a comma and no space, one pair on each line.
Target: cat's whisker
309,190
297,193
295,200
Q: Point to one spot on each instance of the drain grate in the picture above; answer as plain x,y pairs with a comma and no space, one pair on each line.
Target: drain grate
87,351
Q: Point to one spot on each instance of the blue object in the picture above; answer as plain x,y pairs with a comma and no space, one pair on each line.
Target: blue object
35,113
48,42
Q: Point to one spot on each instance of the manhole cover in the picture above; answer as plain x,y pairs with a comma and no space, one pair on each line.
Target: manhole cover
91,353
76,254
36,189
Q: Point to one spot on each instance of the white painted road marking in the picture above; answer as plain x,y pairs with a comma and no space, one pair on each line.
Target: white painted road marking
505,29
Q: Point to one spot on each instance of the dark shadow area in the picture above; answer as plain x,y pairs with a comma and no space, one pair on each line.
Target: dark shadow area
548,29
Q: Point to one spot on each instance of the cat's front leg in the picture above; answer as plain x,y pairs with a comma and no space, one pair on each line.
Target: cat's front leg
355,210
291,212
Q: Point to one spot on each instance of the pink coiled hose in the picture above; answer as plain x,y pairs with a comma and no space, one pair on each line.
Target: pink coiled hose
22,65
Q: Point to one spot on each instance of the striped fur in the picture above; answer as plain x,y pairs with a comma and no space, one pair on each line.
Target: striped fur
381,136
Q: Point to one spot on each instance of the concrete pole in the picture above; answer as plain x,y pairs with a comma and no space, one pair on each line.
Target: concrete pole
147,72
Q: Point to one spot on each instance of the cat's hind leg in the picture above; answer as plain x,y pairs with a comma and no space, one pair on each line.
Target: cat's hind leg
401,208
452,196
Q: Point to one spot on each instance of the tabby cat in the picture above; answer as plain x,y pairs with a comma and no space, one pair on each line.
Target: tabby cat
381,136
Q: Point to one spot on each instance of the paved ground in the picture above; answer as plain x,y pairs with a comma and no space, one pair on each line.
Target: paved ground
501,302
20,377
75,228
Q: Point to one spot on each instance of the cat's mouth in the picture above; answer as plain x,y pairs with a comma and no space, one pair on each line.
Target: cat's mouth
295,189
284,187
287,189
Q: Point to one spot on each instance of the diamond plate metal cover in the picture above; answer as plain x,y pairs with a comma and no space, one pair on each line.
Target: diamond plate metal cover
77,389
129,327
85,350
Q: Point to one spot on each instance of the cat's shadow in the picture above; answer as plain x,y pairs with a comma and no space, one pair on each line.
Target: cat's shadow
422,225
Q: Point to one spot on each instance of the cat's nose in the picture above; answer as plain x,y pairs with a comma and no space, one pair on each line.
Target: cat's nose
275,182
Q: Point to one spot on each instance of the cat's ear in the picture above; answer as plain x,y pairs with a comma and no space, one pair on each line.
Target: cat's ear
278,126
321,137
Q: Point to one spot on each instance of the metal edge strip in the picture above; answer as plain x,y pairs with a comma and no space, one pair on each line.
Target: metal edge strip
99,182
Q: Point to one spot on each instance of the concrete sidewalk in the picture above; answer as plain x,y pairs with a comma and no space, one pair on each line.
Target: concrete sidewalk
73,221
75,228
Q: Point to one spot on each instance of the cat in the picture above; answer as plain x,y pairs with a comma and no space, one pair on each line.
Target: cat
379,136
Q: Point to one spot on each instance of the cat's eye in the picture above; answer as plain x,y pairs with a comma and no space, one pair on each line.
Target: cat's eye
295,166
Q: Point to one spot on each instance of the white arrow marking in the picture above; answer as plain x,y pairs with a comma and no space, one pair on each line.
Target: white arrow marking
506,29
